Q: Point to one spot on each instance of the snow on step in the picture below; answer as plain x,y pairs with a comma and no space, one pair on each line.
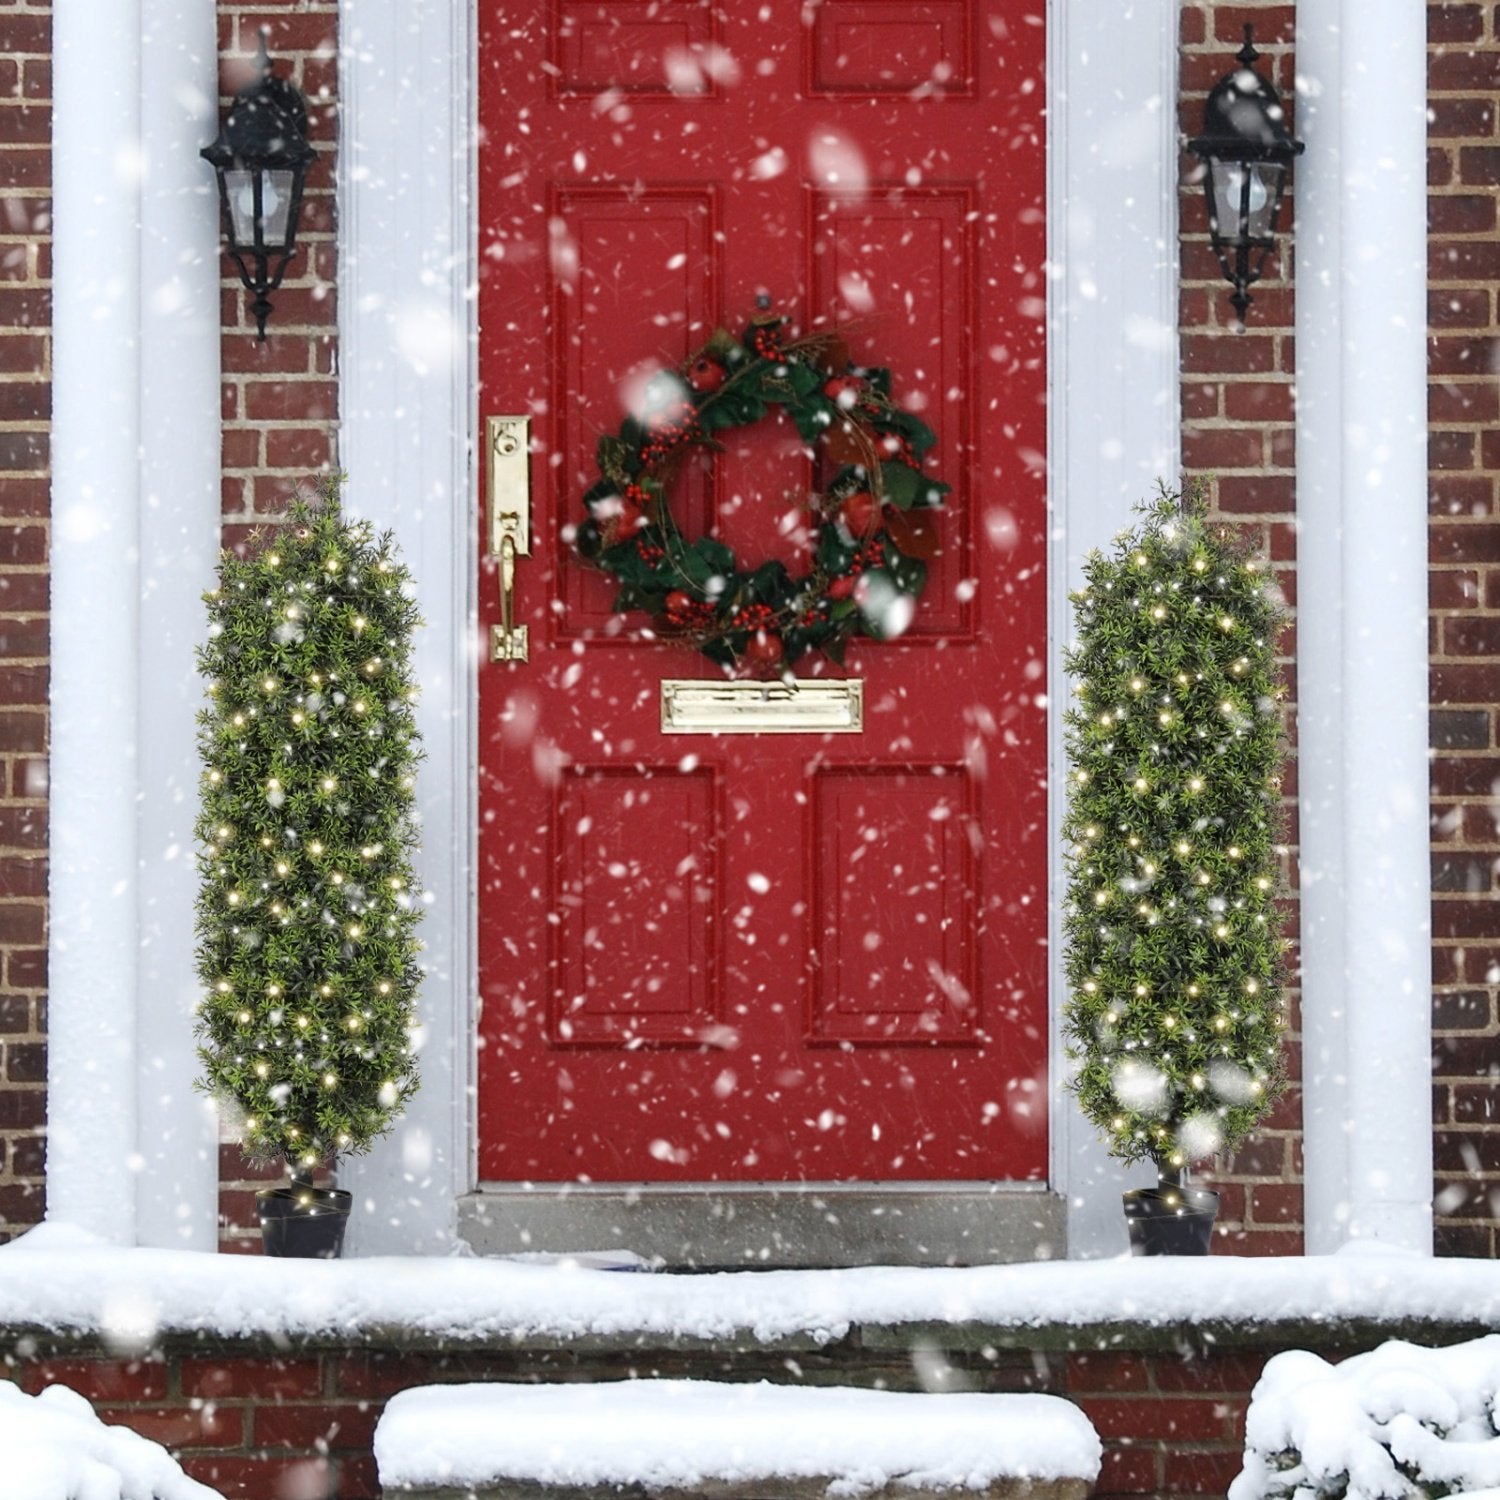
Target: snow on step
53,1447
677,1435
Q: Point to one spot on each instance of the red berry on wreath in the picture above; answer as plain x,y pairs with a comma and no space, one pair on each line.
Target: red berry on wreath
763,649
706,374
842,586
859,513
679,603
844,390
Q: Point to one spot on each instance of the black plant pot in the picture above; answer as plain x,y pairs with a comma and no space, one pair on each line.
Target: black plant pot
303,1221
1170,1220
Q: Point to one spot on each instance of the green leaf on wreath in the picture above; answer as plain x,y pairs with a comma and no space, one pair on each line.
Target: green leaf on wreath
901,484
879,380
910,573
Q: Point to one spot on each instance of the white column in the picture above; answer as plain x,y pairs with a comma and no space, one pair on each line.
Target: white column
177,1203
1113,407
91,1072
1378,1003
406,331
1320,630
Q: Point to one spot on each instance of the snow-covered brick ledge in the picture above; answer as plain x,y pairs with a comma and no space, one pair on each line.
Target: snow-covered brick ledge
58,1285
1398,1421
681,1437
53,1447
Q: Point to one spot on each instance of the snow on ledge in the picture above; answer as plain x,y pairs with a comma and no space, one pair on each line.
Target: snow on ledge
59,1279
677,1434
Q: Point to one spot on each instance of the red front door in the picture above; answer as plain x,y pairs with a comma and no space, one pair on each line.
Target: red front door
785,957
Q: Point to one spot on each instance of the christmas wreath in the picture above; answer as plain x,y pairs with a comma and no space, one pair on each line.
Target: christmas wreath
871,528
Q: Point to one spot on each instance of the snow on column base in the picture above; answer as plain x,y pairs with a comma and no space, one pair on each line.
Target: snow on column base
675,1438
1391,1226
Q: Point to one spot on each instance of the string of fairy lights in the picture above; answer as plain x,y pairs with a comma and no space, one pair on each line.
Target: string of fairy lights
308,905
1175,1013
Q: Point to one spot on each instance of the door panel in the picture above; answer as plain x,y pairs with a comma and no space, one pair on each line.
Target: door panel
770,957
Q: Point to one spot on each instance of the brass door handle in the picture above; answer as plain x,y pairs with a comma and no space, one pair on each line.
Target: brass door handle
508,451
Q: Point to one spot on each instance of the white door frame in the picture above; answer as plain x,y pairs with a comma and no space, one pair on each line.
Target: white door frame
407,359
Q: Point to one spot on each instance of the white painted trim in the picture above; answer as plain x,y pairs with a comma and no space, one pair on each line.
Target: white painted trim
179,530
1367,995
1113,404
91,1057
406,334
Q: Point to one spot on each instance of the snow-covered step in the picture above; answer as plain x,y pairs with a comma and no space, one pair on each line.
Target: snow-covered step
672,1438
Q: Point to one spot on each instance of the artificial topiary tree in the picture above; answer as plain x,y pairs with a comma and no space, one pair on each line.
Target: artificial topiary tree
308,907
1174,953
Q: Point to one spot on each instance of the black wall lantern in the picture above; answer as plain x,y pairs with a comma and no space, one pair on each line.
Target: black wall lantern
1248,151
261,159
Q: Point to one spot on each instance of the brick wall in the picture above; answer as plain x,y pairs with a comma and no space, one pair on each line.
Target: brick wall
25,410
1237,437
301,1423
280,398
1464,458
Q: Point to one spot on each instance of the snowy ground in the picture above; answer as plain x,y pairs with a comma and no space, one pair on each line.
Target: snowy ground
59,1279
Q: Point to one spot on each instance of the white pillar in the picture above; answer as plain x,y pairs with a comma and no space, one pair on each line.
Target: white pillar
177,1203
1377,1003
1113,409
91,1083
406,352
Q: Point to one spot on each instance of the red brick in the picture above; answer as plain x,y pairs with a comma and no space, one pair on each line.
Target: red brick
1460,117
309,1428
1143,1417
1234,1374
1462,542
1450,450
22,1109
23,732
1127,1471
1265,494
1455,23
1200,1473
1472,635
1228,353
1259,400
1274,24
262,1477
1464,70
266,1379
357,1477
100,1380
303,448
23,546
1470,401
1276,1203
1466,1151
291,400
210,1425
1107,1372
1219,448
382,1375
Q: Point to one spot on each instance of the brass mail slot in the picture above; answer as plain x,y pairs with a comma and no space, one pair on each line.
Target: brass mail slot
817,706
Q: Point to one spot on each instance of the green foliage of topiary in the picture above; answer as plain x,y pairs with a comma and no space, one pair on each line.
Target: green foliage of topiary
1174,953
308,908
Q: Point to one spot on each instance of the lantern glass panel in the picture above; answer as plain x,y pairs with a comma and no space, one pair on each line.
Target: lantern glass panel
275,206
1245,197
239,190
